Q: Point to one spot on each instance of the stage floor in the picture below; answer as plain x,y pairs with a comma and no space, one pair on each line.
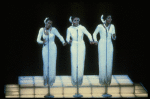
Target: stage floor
33,87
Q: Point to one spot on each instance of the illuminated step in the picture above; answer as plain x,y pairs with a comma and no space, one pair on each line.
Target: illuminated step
33,86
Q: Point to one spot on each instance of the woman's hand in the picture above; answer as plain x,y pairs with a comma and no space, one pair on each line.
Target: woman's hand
46,33
96,43
114,37
91,42
65,44
70,41
44,41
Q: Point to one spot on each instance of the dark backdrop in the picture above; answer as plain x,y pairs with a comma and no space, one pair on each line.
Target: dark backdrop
23,21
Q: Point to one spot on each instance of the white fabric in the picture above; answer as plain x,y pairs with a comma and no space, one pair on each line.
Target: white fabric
105,75
45,20
103,21
78,51
51,50
70,19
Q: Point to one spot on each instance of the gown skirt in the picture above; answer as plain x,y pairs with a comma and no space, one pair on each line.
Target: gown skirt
105,65
49,62
77,59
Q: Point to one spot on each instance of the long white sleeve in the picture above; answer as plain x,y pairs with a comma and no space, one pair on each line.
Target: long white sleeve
68,36
113,32
95,33
88,35
59,36
39,36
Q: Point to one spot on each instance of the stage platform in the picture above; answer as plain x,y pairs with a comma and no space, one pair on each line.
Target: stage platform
33,87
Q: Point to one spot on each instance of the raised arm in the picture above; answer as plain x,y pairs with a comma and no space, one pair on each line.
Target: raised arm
59,36
39,41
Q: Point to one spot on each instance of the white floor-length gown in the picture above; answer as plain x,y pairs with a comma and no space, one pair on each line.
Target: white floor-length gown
78,51
49,53
105,65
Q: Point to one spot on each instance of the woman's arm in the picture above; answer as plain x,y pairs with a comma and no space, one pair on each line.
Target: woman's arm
39,41
59,36
68,37
88,35
95,33
114,33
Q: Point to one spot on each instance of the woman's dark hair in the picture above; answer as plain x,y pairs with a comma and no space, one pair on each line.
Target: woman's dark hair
48,19
106,15
73,17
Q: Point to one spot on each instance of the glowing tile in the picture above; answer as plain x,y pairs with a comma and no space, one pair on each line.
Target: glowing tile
43,96
38,77
12,85
26,85
98,90
68,95
85,90
27,91
68,84
27,96
26,81
87,96
65,77
56,91
116,96
12,93
97,95
39,84
12,89
39,96
121,76
41,91
11,96
94,81
92,77
113,90
85,77
85,82
58,96
140,91
141,95
127,95
70,90
127,90
26,77
125,82
57,85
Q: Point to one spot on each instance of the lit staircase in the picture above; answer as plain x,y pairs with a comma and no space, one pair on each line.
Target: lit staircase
33,87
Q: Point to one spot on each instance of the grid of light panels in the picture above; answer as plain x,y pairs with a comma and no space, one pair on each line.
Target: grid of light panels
33,87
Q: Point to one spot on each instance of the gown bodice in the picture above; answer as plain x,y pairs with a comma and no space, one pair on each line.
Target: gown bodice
77,33
104,31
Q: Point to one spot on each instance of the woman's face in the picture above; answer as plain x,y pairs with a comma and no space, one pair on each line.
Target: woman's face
48,24
109,19
76,21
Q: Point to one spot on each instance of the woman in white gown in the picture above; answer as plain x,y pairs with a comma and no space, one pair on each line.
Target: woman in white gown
105,49
77,49
49,50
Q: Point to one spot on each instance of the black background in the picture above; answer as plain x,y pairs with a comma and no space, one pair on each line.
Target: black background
24,19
